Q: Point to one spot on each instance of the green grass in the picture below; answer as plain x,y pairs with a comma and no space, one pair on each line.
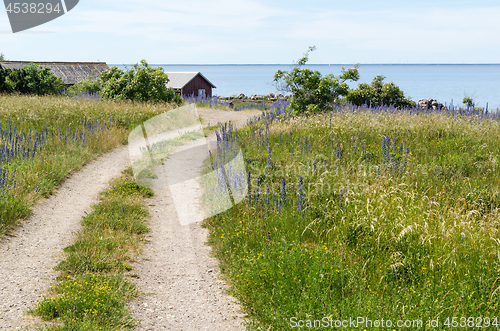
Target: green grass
94,288
400,235
39,176
90,302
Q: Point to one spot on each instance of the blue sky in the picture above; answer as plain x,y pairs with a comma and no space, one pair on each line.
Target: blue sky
256,31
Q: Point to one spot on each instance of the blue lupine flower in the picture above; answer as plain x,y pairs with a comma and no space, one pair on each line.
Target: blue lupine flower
283,191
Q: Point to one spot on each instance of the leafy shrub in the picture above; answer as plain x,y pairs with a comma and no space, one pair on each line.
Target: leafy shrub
140,83
90,86
311,91
32,79
3,84
378,94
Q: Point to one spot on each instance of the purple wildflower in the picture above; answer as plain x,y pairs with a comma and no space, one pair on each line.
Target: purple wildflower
283,191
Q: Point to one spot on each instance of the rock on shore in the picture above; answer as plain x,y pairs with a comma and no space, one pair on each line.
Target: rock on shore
430,103
256,97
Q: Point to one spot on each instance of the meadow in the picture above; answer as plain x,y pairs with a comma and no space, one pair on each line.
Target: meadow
365,214
44,139
370,213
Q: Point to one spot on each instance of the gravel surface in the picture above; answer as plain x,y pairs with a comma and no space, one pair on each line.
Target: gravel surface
29,254
178,277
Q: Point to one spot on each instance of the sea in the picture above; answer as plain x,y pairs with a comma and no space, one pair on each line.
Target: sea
447,83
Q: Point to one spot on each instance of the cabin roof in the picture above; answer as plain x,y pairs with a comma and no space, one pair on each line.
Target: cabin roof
177,80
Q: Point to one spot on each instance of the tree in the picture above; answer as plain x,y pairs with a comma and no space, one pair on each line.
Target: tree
468,101
141,83
2,57
378,94
311,92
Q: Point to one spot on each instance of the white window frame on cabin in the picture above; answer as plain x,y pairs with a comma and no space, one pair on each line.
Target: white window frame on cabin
201,92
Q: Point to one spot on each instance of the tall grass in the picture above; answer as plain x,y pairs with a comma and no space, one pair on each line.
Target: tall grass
43,139
206,101
372,213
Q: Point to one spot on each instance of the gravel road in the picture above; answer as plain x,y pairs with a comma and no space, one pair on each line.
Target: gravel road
27,258
178,277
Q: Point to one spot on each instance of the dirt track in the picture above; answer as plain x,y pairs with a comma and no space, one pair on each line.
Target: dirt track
27,259
176,270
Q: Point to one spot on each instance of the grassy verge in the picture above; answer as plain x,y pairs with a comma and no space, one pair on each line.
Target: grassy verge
236,104
43,139
94,286
374,215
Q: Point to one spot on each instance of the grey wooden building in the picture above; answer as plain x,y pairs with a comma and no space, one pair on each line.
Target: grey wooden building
70,72
190,83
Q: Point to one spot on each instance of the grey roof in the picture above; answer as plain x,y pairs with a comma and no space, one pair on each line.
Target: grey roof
178,80
69,72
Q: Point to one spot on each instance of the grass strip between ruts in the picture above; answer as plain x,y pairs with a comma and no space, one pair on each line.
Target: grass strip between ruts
93,286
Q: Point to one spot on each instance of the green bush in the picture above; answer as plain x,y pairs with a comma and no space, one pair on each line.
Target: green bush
140,83
312,92
91,85
3,84
378,94
3,74
31,79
